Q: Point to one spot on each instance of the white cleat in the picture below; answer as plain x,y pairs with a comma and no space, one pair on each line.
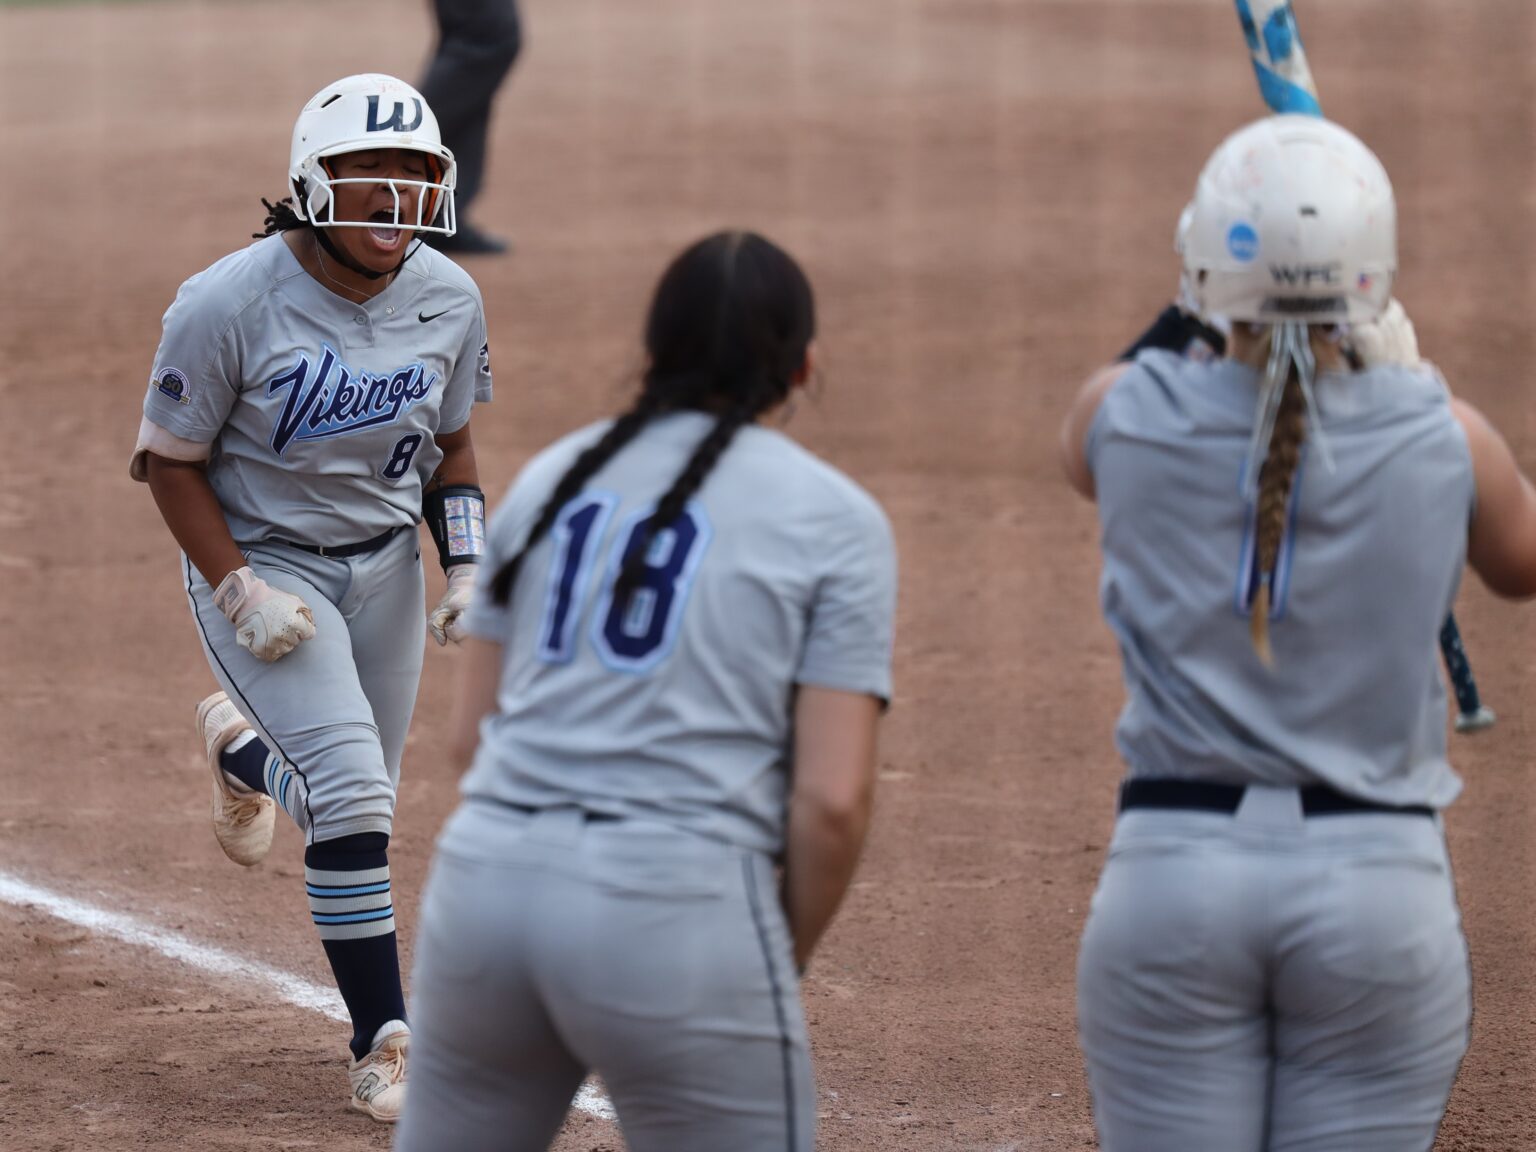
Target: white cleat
242,819
378,1079
1475,721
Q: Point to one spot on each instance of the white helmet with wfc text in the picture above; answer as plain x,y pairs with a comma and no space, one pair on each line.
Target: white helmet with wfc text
1293,220
359,114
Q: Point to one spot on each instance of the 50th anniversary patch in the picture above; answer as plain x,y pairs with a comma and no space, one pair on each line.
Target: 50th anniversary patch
173,385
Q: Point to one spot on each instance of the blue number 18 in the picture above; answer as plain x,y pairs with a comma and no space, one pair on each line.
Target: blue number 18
637,634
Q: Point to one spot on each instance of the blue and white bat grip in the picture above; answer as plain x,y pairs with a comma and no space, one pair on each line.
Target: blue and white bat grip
1279,62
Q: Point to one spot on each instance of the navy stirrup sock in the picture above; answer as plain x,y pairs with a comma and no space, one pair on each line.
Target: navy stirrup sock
349,898
251,762
247,764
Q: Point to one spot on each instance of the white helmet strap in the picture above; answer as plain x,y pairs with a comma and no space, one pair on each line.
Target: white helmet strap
352,265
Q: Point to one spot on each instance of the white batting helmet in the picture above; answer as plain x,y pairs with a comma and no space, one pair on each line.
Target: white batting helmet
357,114
1293,220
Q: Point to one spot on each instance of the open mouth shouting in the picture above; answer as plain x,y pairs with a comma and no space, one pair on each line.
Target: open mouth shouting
384,234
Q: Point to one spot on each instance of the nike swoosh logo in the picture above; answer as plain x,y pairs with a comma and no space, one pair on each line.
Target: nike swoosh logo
423,317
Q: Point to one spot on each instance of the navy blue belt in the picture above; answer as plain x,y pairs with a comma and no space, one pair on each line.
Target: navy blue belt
1207,796
589,817
342,551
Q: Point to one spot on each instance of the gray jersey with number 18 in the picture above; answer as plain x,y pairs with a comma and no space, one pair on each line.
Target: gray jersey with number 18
780,572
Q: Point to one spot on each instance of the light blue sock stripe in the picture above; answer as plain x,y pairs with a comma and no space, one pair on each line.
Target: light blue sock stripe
355,931
354,917
271,774
331,906
354,890
277,778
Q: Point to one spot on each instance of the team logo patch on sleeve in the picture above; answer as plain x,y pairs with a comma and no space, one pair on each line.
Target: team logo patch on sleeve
172,384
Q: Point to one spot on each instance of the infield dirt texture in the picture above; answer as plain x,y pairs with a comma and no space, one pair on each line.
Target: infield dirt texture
984,194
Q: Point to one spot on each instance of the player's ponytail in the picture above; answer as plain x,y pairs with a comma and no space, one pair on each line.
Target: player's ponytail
1275,482
745,361
688,482
728,332
587,465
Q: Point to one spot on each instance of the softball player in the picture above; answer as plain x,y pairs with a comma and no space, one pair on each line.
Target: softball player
309,404
1274,956
682,643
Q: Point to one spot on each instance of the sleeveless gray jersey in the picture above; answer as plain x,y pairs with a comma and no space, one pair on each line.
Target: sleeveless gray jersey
1366,576
781,572
322,413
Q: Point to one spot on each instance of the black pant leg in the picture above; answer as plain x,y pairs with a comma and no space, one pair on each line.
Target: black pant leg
478,40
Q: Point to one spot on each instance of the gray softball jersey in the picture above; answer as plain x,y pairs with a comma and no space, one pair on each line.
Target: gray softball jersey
322,414
781,572
1368,571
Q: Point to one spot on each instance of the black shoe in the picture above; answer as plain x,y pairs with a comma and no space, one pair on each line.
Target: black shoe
468,241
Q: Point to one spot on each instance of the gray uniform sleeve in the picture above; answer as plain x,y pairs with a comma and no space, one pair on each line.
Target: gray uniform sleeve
196,377
848,644
470,383
1107,419
1124,405
1098,428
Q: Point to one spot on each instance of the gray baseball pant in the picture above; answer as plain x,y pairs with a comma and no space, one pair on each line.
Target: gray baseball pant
1268,982
336,708
551,946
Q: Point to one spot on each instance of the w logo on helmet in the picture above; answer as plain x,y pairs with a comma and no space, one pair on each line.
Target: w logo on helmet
396,122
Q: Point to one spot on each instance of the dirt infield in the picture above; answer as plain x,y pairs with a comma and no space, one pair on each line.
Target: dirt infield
984,193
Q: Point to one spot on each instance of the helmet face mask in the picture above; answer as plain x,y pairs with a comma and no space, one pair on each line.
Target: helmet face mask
1293,220
367,113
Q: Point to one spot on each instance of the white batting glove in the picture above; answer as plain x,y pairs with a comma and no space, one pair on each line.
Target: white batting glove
446,619
1388,339
269,623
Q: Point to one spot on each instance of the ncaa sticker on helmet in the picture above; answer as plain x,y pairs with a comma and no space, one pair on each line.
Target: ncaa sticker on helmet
358,114
1293,220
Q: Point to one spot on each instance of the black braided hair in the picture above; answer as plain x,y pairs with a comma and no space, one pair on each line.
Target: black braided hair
688,482
728,330
587,465
280,218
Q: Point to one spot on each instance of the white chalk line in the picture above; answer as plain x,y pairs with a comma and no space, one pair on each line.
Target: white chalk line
214,961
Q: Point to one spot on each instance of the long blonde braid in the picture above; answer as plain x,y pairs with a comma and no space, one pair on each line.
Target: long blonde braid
1275,482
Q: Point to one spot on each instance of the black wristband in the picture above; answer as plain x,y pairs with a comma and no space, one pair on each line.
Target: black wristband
1175,330
455,515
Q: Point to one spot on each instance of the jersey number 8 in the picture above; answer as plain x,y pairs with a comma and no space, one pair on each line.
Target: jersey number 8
399,462
638,634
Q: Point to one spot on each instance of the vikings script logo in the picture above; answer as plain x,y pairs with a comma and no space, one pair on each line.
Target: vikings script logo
332,402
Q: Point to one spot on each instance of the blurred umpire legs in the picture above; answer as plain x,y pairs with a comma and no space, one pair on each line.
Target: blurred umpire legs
477,42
